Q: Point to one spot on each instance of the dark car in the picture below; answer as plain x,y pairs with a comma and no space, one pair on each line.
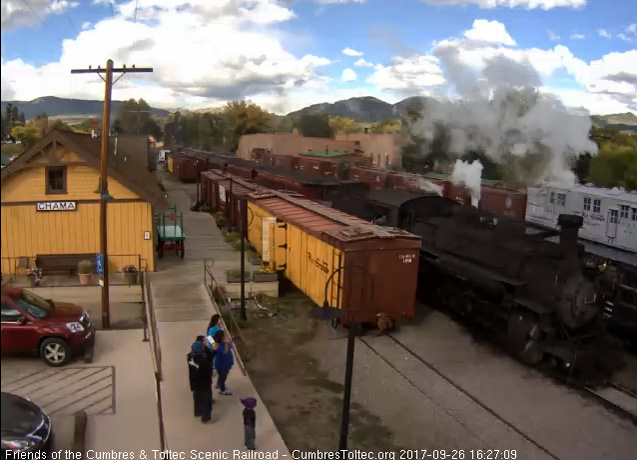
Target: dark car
25,427
56,331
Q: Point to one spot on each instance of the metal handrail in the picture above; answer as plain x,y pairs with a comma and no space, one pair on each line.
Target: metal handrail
151,322
211,288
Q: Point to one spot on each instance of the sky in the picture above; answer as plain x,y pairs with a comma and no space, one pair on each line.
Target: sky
288,54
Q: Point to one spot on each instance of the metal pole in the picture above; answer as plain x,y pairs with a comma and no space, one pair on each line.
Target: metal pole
347,393
244,221
106,124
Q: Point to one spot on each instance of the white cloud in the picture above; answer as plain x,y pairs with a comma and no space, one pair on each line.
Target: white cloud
553,36
86,25
349,75
18,13
489,32
338,2
363,63
248,59
412,74
526,4
603,33
351,52
578,37
629,34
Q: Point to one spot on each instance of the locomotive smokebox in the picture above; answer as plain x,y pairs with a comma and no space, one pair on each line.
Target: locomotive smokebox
570,225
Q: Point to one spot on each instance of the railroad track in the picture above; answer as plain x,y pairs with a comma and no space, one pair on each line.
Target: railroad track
616,398
473,398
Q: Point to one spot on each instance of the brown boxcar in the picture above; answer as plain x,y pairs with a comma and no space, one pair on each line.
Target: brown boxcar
337,260
286,162
223,193
374,178
503,201
317,167
185,169
242,169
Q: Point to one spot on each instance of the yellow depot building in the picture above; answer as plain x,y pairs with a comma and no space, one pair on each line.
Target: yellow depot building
50,205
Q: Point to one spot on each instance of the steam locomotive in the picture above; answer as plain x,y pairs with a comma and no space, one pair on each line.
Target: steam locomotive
534,296
531,294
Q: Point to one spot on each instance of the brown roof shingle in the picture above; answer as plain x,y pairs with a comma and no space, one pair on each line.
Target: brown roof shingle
121,166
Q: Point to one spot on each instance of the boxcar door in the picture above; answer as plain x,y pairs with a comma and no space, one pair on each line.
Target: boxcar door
612,221
280,245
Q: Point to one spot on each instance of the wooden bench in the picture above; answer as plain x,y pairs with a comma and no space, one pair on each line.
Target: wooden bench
55,263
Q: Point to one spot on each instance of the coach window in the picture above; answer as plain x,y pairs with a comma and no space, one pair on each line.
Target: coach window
624,211
587,204
561,199
613,216
634,215
552,197
597,205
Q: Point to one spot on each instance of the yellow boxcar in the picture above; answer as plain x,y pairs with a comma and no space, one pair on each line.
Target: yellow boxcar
346,262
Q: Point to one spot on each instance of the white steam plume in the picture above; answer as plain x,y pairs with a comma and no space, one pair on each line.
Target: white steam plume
469,175
502,114
428,186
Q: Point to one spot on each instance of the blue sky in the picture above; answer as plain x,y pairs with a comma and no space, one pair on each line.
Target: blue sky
304,35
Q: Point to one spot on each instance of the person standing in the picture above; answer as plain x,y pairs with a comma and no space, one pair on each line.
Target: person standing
224,360
200,373
249,422
216,324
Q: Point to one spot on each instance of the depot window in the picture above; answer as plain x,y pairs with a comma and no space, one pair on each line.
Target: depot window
587,204
597,205
624,211
56,180
614,216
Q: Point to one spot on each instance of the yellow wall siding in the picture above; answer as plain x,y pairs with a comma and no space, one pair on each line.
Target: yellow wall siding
28,233
309,261
170,164
82,181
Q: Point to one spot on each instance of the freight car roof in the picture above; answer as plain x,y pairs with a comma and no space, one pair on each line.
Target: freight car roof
322,221
396,198
295,175
324,153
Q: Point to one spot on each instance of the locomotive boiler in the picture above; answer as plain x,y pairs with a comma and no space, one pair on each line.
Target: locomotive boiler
530,293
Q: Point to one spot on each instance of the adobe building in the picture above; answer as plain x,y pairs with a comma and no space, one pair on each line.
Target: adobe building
51,204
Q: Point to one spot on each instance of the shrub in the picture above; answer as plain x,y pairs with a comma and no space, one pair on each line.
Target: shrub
85,267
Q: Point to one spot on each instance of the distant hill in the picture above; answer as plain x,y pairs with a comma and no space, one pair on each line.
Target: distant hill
364,109
69,109
371,110
622,121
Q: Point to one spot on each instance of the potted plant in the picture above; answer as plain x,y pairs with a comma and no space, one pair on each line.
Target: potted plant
265,275
84,271
255,258
130,273
35,275
234,276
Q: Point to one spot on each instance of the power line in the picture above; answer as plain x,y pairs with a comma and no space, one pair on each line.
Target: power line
33,11
113,8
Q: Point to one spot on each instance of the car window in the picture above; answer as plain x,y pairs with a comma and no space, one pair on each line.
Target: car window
31,309
10,314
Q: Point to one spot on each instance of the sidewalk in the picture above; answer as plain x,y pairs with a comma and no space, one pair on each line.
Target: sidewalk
183,309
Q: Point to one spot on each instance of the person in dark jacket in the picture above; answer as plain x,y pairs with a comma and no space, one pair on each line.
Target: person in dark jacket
200,370
249,422
224,360
209,353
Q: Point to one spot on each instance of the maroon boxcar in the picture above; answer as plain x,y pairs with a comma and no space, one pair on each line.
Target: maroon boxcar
376,179
315,188
287,162
503,201
317,167
245,170
185,169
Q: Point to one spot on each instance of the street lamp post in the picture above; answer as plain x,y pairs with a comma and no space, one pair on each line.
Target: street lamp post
353,327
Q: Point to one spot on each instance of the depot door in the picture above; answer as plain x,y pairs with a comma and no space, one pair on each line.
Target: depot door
612,221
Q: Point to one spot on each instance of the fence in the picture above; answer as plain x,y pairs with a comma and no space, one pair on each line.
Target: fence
230,322
16,269
151,334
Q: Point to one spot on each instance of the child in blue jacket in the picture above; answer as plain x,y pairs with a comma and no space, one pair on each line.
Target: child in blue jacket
224,360
216,324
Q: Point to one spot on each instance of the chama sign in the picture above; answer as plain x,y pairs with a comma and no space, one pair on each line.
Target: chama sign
56,206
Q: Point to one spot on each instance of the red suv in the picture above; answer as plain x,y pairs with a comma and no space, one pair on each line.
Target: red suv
53,330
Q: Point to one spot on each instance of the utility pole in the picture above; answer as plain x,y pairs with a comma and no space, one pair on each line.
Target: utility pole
104,195
139,119
244,234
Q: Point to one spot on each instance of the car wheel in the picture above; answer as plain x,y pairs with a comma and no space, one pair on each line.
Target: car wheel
55,352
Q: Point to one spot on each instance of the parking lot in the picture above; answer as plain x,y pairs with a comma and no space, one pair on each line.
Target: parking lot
121,372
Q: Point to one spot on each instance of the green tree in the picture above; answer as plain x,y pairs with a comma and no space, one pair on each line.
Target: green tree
133,115
27,134
315,125
117,127
59,124
244,118
344,125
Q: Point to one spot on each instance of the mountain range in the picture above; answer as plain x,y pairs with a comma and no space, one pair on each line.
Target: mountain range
362,109
69,110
